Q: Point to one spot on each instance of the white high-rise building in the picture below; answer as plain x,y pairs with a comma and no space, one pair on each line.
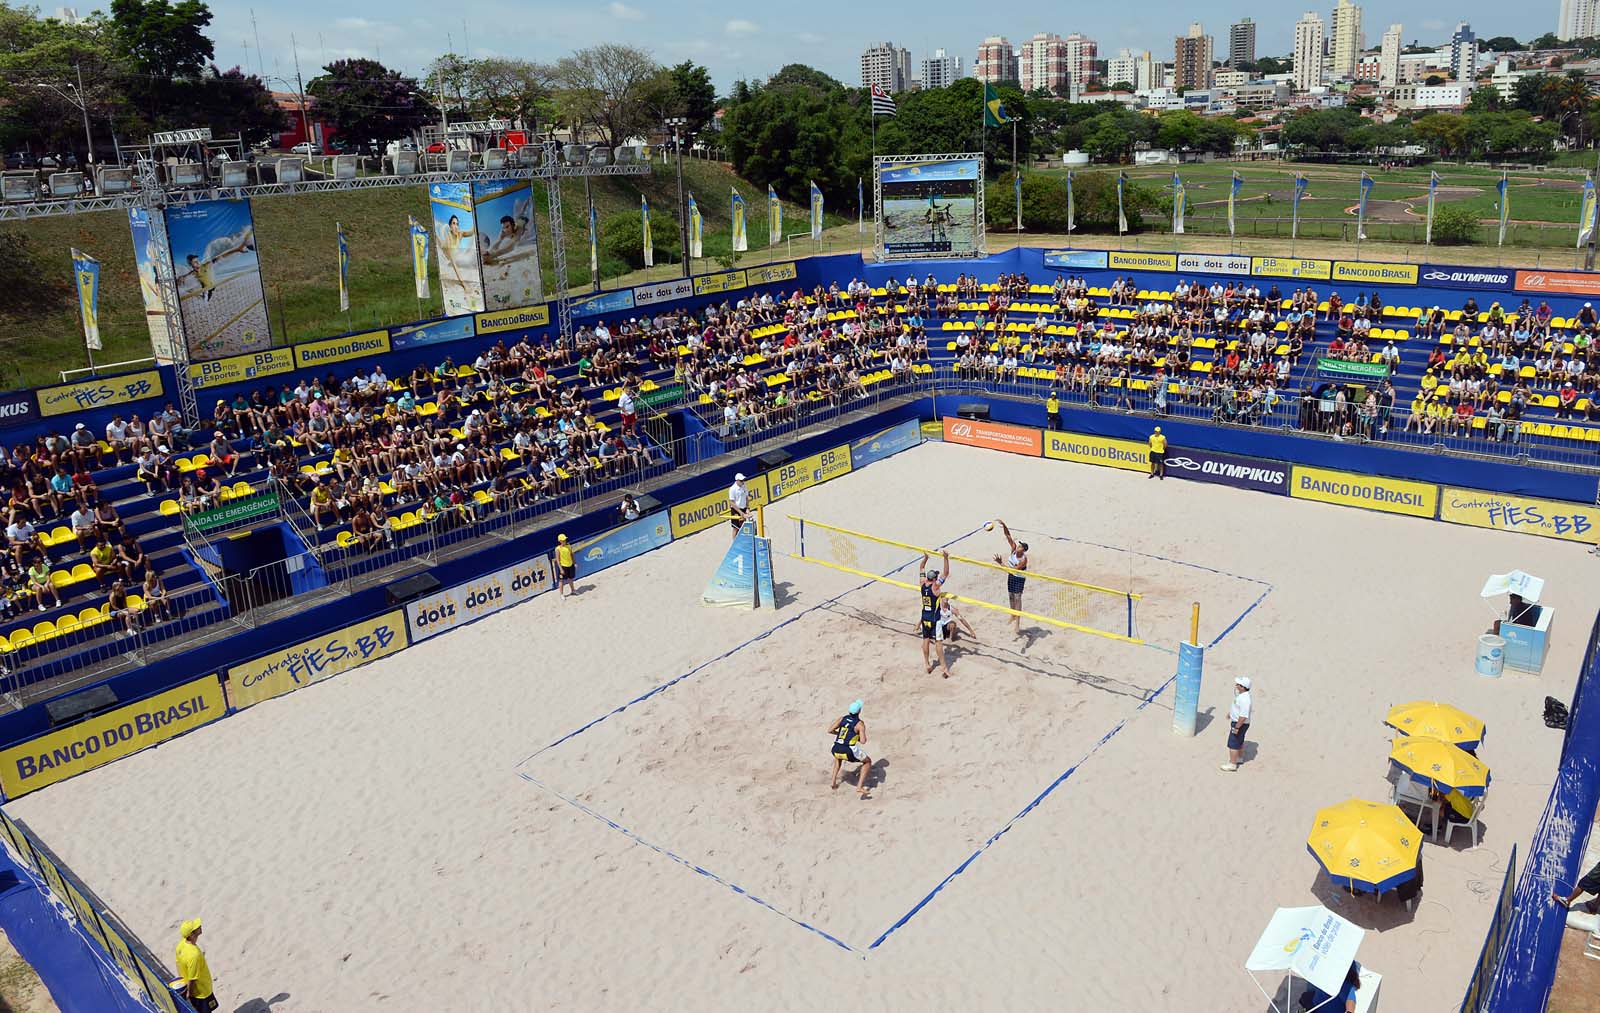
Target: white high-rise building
1308,39
1124,68
1463,53
1242,42
1082,54
1389,58
887,66
1042,61
1346,42
996,61
1191,59
940,70
1578,20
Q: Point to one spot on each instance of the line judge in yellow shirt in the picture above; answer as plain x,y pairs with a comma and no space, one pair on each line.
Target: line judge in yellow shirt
1158,455
192,969
566,567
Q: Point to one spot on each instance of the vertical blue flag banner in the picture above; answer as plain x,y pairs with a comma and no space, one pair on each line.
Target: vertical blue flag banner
594,242
419,256
644,230
1586,212
1433,195
1122,214
1233,196
1300,188
696,229
344,268
741,242
1505,207
734,583
1072,209
1180,200
86,281
1016,187
1361,206
861,205
816,211
774,217
1186,695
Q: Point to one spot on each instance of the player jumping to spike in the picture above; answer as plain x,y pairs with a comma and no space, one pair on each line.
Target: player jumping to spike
850,746
1017,560
204,271
931,587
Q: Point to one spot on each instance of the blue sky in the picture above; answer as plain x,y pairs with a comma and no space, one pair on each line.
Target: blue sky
752,39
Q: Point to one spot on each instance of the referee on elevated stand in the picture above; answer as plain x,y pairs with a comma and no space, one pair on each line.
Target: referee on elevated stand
1158,455
738,503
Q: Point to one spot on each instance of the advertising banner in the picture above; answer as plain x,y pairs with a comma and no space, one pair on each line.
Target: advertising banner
619,301
434,332
1568,282
315,660
219,278
1129,455
1373,372
766,591
508,243
512,320
929,207
1290,267
1228,469
86,278
233,512
77,748
623,543
16,407
418,237
1090,260
711,509
163,344
771,273
313,354
1574,522
1467,277
455,237
1391,495
727,281
1370,273
891,441
236,368
798,476
99,393
734,583
666,291
1143,261
461,604
992,436
1213,263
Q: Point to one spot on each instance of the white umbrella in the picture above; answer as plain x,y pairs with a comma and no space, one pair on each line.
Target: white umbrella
1515,582
1311,942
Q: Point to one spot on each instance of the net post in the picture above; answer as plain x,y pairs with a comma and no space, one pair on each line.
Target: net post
1194,624
761,520
1191,665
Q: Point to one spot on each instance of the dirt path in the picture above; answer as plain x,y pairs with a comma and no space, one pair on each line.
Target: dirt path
21,991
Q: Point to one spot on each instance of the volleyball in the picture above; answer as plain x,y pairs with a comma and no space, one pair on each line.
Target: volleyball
989,526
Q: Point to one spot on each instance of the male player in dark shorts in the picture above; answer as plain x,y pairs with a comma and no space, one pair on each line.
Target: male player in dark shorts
931,587
1158,455
850,746
1016,560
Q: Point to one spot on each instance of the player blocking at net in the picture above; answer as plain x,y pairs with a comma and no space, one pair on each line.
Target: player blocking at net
931,588
1016,565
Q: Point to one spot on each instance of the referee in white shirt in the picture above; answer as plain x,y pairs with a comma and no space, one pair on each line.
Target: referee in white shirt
738,503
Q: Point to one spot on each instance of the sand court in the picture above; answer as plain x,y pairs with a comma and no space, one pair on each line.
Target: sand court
427,832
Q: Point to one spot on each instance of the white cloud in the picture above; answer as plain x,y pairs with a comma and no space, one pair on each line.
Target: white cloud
810,38
622,12
739,26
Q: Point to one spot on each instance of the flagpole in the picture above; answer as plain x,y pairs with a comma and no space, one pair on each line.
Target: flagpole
1588,257
1361,213
1016,173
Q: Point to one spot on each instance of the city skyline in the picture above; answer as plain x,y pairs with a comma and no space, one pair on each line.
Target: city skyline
734,43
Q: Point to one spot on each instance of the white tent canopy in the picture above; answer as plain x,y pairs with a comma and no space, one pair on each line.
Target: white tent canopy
1311,942
1515,582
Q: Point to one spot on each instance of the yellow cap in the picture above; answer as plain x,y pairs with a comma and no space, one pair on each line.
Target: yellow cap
189,927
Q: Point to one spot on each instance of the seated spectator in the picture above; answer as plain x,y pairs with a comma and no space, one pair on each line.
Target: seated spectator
23,538
41,587
158,604
106,522
120,611
132,557
107,567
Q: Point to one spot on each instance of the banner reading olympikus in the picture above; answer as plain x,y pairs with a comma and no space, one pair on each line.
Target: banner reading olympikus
455,236
508,243
162,342
223,304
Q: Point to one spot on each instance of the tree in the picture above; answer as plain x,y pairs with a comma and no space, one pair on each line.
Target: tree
1270,65
797,127
164,40
365,100
513,89
1500,44
695,95
40,59
1546,41
604,89
232,102
1434,80
1122,86
1484,100
1445,133
1453,225
622,237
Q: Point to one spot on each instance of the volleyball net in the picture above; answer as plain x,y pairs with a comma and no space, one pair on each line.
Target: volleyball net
1058,601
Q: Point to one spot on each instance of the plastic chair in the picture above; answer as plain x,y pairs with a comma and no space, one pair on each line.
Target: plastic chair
242,489
169,508
1472,825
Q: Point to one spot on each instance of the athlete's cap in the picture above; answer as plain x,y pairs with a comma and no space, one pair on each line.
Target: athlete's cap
739,477
1243,680
561,538
855,708
79,425
1158,429
189,927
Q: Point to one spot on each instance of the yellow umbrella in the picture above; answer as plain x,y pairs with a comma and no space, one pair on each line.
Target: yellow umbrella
1444,766
1365,845
1439,720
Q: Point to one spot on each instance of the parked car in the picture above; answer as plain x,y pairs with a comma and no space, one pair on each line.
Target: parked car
306,148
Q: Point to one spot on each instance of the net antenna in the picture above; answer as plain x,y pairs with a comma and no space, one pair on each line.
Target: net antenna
1073,605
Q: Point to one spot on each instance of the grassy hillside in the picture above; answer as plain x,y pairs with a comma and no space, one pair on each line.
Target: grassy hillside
295,237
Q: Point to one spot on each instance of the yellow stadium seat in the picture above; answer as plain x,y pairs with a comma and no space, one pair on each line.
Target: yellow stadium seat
90,616
44,630
242,489
169,507
344,539
135,603
66,624
59,535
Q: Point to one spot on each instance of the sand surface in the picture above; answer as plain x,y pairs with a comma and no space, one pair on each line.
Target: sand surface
421,834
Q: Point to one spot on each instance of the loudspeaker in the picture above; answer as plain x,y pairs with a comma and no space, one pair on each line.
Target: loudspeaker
774,458
648,504
414,586
972,410
67,709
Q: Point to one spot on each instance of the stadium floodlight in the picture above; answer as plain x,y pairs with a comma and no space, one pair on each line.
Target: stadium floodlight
458,161
19,186
174,138
344,166
235,173
291,170
66,184
114,180
528,156
406,163
494,158
574,154
186,174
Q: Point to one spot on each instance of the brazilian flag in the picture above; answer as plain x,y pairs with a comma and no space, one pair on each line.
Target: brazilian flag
994,110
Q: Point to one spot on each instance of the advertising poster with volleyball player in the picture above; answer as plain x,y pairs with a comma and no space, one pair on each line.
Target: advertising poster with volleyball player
455,237
508,243
162,343
220,294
